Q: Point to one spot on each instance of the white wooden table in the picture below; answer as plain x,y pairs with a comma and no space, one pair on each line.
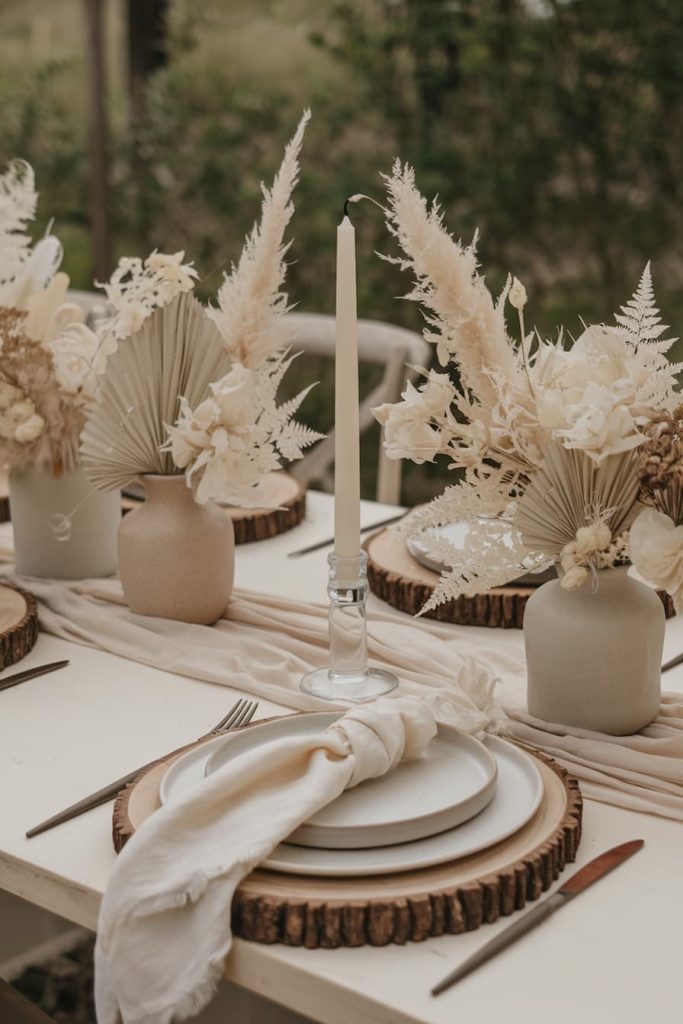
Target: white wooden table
613,955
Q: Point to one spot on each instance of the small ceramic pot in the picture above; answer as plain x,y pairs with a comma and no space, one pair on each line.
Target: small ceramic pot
594,654
176,557
63,527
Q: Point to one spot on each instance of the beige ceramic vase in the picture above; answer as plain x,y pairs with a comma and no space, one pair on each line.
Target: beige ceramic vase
63,527
594,655
176,557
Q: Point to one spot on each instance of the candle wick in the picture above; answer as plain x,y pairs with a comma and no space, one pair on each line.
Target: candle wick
346,208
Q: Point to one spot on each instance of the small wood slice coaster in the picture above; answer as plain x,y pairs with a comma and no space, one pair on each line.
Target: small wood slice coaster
284,501
284,507
4,498
18,624
399,579
459,896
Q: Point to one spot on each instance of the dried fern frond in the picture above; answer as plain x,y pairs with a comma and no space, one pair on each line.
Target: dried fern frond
175,355
251,303
18,200
640,324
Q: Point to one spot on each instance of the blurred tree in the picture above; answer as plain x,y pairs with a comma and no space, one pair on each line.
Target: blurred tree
147,48
97,141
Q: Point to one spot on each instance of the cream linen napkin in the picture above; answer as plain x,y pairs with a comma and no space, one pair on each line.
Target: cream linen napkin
164,926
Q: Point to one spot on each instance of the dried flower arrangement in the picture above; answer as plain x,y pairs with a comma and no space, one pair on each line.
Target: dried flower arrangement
656,538
49,359
190,389
547,432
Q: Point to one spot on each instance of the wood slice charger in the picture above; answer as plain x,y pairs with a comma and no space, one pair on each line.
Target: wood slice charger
284,507
399,579
4,498
18,625
456,897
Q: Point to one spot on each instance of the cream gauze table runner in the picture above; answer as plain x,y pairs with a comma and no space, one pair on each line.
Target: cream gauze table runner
265,644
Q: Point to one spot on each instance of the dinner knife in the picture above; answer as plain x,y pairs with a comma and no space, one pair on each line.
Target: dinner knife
31,673
577,883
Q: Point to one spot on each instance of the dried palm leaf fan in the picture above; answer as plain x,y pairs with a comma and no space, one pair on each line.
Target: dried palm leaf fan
177,353
569,491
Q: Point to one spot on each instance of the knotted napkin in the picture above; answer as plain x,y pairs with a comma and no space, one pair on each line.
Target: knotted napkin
164,926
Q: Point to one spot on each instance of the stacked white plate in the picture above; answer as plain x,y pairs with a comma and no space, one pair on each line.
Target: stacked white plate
460,797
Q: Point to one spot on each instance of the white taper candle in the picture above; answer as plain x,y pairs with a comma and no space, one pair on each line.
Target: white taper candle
347,433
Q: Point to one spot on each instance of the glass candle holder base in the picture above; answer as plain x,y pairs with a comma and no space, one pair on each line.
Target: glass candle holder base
329,685
348,677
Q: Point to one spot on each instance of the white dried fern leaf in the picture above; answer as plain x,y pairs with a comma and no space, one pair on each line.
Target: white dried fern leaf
640,323
176,353
18,200
251,303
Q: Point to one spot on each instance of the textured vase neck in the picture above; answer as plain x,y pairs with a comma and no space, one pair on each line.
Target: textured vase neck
168,489
604,582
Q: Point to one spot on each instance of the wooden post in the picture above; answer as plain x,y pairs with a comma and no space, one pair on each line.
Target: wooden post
97,141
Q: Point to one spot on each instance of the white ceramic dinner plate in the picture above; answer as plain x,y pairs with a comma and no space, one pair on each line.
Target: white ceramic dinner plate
456,533
453,780
518,793
519,790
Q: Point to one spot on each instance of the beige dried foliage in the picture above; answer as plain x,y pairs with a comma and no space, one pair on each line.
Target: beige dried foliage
27,365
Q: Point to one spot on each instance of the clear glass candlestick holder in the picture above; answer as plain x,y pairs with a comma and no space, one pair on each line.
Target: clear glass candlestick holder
348,676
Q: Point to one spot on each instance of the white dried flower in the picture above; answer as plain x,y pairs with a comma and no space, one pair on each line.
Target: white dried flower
30,430
656,546
137,288
589,539
237,435
408,431
8,395
74,355
574,578
517,294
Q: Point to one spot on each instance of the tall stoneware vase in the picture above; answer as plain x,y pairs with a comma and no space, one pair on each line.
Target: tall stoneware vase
594,654
63,528
176,557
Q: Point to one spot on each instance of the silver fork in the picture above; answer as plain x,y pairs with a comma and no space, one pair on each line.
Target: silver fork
241,713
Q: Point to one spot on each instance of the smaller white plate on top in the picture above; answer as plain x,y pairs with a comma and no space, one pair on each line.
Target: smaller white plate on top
452,782
456,534
517,797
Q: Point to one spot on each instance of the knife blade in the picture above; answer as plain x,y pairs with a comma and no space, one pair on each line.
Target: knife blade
577,883
31,673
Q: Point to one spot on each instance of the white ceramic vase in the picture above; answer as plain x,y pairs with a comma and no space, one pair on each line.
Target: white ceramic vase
594,655
176,557
86,547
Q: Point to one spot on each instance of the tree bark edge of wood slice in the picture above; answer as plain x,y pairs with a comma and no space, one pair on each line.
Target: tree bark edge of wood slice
261,523
271,907
18,638
395,577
